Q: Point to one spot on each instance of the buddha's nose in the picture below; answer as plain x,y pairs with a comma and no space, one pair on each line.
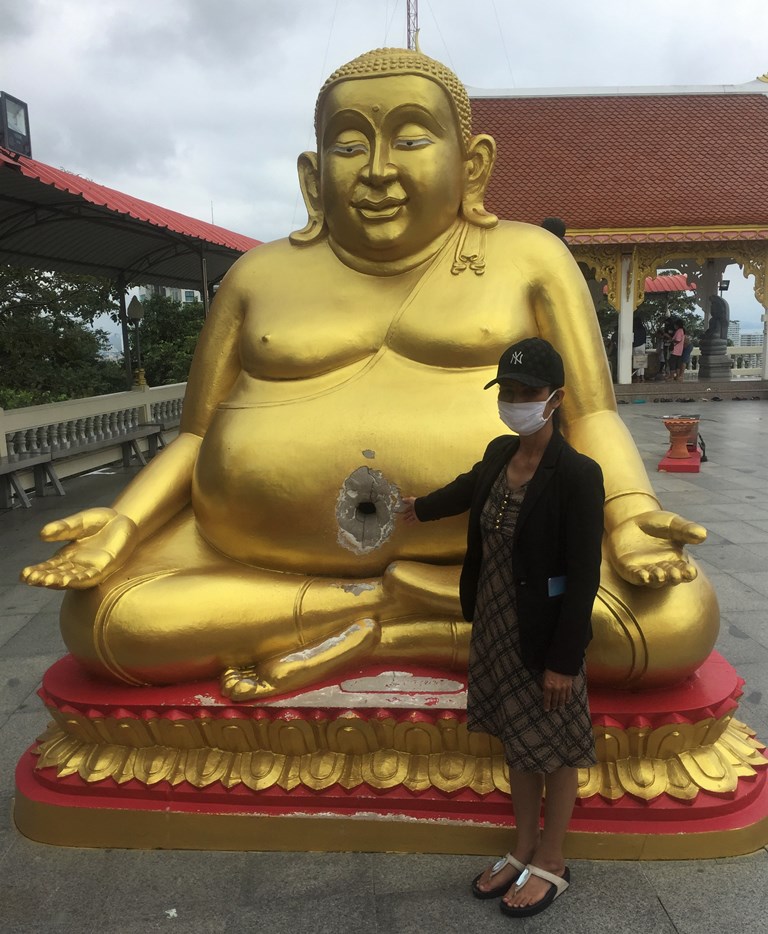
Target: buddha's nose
379,170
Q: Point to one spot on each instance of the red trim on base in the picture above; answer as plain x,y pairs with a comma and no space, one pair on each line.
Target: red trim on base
711,692
706,813
690,464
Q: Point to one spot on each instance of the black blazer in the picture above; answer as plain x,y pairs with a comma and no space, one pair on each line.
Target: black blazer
558,534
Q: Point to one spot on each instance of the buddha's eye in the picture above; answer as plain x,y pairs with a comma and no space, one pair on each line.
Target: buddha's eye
352,148
412,142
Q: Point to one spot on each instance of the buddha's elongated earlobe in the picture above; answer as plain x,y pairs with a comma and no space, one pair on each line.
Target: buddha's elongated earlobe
309,180
481,155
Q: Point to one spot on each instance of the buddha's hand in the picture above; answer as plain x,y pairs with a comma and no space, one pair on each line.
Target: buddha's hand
649,549
100,541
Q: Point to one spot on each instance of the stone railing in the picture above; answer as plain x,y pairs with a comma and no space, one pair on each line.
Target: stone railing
746,362
63,427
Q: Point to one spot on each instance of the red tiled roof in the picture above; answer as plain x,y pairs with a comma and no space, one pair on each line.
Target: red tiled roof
672,160
126,204
52,219
674,283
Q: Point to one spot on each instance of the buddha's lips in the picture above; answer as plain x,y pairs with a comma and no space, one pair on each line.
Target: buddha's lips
378,210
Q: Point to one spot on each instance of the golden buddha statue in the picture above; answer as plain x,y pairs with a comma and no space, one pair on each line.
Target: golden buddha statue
339,369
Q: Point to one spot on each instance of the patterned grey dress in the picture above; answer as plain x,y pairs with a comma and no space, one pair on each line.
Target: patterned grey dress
505,698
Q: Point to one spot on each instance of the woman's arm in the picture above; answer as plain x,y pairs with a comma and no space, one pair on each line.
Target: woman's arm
583,529
455,497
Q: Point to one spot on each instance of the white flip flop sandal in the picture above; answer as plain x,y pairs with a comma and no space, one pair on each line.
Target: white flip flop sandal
557,885
508,860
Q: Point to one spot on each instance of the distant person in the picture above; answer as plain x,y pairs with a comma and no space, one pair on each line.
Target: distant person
676,364
687,351
556,226
663,338
610,342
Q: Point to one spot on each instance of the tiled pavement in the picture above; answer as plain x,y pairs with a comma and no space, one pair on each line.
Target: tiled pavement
71,890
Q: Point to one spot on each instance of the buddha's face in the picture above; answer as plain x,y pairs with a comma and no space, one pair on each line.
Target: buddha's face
391,166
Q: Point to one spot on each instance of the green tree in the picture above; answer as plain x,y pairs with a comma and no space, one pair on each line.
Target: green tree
169,333
655,309
49,348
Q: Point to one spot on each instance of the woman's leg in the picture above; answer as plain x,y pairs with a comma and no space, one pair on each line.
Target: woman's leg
526,789
561,788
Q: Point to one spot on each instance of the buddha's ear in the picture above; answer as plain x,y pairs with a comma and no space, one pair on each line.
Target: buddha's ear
309,180
481,154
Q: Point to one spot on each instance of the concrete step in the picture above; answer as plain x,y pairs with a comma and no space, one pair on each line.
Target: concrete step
692,389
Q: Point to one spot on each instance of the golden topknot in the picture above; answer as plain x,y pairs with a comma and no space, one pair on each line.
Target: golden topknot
384,62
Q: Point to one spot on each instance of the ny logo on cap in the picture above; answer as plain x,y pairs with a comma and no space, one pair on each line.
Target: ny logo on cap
517,357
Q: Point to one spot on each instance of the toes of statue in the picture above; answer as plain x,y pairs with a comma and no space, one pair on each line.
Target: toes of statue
241,684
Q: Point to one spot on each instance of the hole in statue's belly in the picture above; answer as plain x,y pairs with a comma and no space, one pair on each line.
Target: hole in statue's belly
365,510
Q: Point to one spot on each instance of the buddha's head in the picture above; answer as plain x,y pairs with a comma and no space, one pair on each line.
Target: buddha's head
396,163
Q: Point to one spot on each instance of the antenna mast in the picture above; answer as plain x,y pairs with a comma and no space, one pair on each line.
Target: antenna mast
412,30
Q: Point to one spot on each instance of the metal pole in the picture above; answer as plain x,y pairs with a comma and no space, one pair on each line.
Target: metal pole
204,276
412,27
124,330
138,349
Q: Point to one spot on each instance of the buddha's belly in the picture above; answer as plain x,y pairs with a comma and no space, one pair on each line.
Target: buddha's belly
312,484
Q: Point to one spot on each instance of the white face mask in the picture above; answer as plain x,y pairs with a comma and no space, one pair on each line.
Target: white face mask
526,418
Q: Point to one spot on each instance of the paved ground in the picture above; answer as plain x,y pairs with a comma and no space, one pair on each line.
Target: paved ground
68,890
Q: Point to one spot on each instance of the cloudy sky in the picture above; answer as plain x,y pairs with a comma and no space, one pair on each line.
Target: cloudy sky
203,105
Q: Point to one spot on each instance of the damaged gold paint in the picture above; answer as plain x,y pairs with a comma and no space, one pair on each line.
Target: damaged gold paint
328,645
366,510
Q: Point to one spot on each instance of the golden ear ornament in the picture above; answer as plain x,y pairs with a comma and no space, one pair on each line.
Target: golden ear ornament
470,250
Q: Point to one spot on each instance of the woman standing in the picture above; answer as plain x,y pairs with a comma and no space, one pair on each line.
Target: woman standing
529,579
677,364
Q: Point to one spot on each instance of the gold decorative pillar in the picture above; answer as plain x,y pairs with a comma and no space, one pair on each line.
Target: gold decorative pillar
755,263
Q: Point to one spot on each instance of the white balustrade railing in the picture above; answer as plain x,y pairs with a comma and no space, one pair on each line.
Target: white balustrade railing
167,411
746,361
70,426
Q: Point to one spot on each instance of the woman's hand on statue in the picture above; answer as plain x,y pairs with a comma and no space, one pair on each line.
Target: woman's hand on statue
649,549
408,509
557,689
100,541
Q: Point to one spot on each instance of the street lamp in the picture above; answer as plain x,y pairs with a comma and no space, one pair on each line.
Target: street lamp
135,313
723,287
14,125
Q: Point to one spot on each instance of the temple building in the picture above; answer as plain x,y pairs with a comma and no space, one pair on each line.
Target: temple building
645,178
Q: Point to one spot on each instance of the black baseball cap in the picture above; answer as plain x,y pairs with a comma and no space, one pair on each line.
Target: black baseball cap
533,362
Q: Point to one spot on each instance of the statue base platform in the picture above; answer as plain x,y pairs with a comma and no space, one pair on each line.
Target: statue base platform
714,367
381,761
690,464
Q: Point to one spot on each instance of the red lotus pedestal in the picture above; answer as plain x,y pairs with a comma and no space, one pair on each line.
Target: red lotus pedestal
381,761
683,455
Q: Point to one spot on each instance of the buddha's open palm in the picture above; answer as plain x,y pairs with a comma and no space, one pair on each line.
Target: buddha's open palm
100,541
649,549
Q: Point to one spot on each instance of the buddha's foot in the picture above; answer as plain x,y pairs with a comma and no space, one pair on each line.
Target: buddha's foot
242,684
303,667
